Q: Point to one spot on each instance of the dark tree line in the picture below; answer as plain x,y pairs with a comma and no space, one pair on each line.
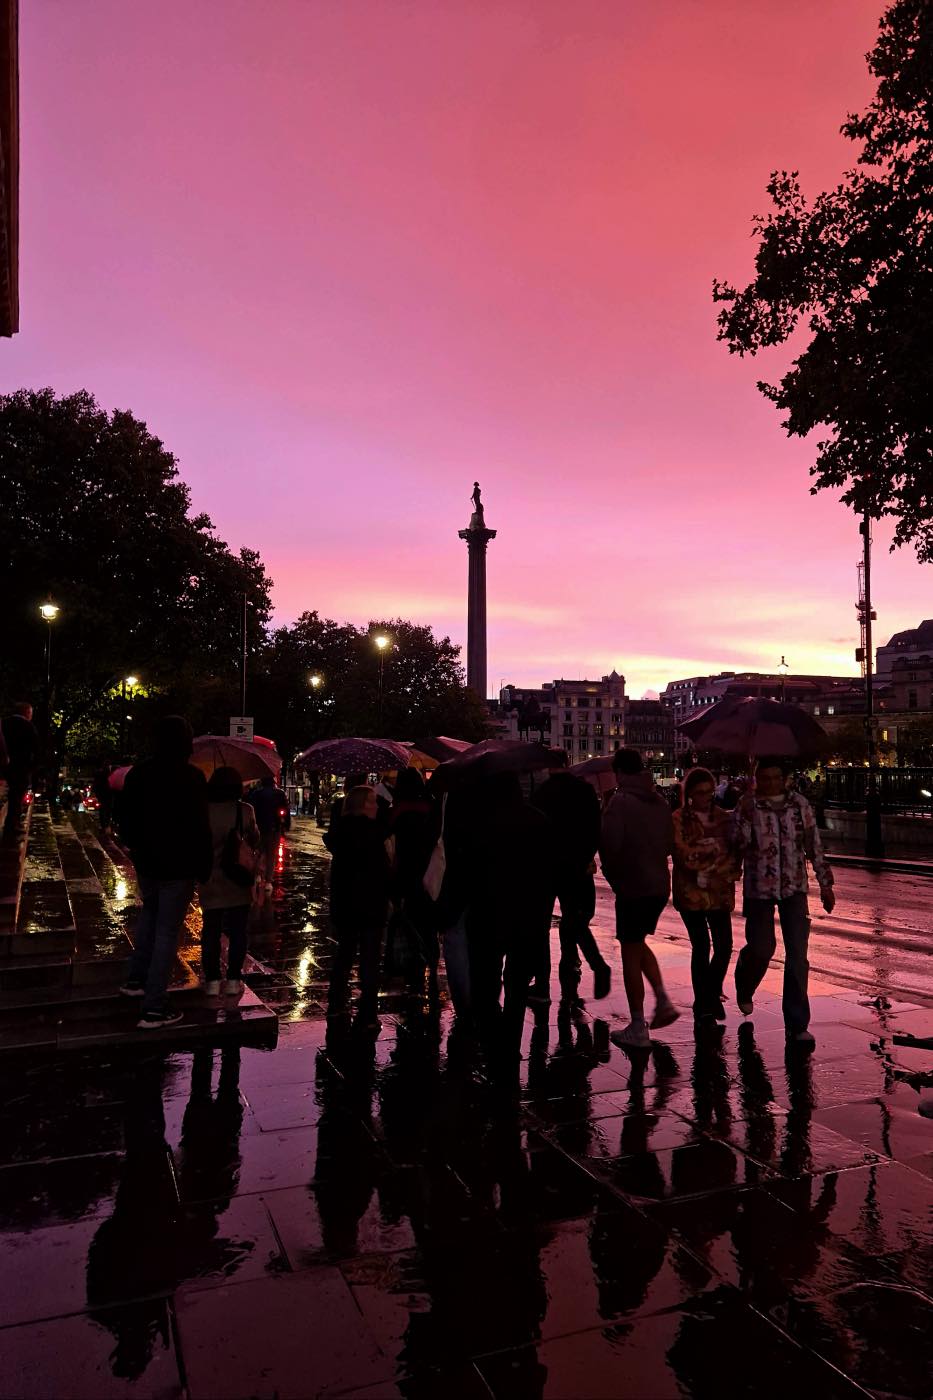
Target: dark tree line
94,515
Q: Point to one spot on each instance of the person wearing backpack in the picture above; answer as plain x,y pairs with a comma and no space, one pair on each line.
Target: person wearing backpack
227,896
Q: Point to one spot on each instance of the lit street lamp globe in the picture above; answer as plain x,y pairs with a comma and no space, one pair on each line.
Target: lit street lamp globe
382,642
316,681
49,611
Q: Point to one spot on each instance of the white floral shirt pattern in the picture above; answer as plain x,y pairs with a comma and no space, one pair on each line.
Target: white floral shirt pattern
775,843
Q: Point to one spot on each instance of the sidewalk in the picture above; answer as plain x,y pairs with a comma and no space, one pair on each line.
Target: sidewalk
710,1218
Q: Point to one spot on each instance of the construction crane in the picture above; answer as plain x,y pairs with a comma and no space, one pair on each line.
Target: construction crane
866,616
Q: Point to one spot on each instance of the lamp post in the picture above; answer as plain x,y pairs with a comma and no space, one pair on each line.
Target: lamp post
782,672
49,612
382,644
132,682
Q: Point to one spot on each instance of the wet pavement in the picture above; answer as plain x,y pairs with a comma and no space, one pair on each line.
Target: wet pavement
714,1217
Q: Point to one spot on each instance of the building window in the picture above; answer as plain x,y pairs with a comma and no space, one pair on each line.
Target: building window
617,719
830,709
597,729
583,729
911,699
598,746
568,730
598,714
816,709
583,703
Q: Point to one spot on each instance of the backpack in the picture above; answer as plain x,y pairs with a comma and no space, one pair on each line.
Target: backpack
238,860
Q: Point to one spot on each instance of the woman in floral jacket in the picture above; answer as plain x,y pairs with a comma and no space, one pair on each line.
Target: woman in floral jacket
705,872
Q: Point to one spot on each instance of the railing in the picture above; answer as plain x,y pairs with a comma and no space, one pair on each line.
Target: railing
904,790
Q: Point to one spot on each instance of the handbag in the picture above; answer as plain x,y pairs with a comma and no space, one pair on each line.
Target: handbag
433,877
239,861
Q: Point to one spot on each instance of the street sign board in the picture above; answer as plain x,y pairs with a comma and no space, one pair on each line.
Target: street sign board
241,727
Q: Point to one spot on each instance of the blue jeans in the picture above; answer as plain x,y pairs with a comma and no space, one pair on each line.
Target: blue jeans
231,921
760,944
165,904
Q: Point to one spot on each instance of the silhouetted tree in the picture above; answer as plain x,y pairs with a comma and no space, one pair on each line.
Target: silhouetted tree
857,265
93,514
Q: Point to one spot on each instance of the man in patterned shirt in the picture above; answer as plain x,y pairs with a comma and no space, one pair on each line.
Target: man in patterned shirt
776,834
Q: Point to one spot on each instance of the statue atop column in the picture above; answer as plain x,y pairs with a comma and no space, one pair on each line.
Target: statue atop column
478,519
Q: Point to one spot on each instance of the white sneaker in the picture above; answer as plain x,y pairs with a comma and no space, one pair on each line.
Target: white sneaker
212,988
233,987
635,1034
746,1007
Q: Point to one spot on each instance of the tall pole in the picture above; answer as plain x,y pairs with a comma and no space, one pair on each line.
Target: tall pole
123,719
382,662
243,664
477,537
874,840
48,663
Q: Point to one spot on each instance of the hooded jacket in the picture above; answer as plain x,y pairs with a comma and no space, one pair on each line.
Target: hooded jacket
637,838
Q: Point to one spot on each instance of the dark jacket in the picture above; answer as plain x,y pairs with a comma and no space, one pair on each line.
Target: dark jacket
164,820
513,883
359,873
268,803
416,827
572,807
637,838
22,744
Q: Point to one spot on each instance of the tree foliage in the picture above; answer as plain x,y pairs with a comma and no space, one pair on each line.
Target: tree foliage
93,515
423,690
856,265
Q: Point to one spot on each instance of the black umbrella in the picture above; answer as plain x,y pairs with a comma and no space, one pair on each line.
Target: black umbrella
497,756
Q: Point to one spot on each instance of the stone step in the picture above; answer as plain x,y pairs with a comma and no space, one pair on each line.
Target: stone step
112,1021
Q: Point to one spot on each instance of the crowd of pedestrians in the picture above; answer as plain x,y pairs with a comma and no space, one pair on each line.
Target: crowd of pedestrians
478,872
509,859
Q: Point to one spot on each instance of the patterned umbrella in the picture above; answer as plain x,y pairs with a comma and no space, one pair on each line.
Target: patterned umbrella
343,756
756,727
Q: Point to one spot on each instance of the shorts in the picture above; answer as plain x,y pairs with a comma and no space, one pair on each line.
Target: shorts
638,916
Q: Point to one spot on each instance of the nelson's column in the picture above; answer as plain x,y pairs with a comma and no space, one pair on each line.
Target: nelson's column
477,537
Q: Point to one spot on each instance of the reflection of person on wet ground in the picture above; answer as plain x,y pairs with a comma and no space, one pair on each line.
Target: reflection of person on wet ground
509,911
359,905
572,807
150,1243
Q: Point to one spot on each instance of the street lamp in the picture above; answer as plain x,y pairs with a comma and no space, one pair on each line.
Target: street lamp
132,682
49,612
382,644
315,681
782,672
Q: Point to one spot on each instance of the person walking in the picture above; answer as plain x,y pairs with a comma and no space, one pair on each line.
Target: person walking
571,806
508,911
776,835
636,840
102,790
164,823
270,806
415,826
21,741
360,885
704,876
226,901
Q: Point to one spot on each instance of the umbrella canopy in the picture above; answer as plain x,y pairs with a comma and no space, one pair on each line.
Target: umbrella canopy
344,756
251,760
497,756
441,748
598,771
756,727
118,778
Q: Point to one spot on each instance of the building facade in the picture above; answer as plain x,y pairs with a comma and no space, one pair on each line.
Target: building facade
910,683
649,728
583,717
911,645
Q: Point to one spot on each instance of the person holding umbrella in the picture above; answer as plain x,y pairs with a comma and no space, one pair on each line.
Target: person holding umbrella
705,872
776,835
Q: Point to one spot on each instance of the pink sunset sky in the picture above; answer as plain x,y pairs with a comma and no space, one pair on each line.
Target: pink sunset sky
345,256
